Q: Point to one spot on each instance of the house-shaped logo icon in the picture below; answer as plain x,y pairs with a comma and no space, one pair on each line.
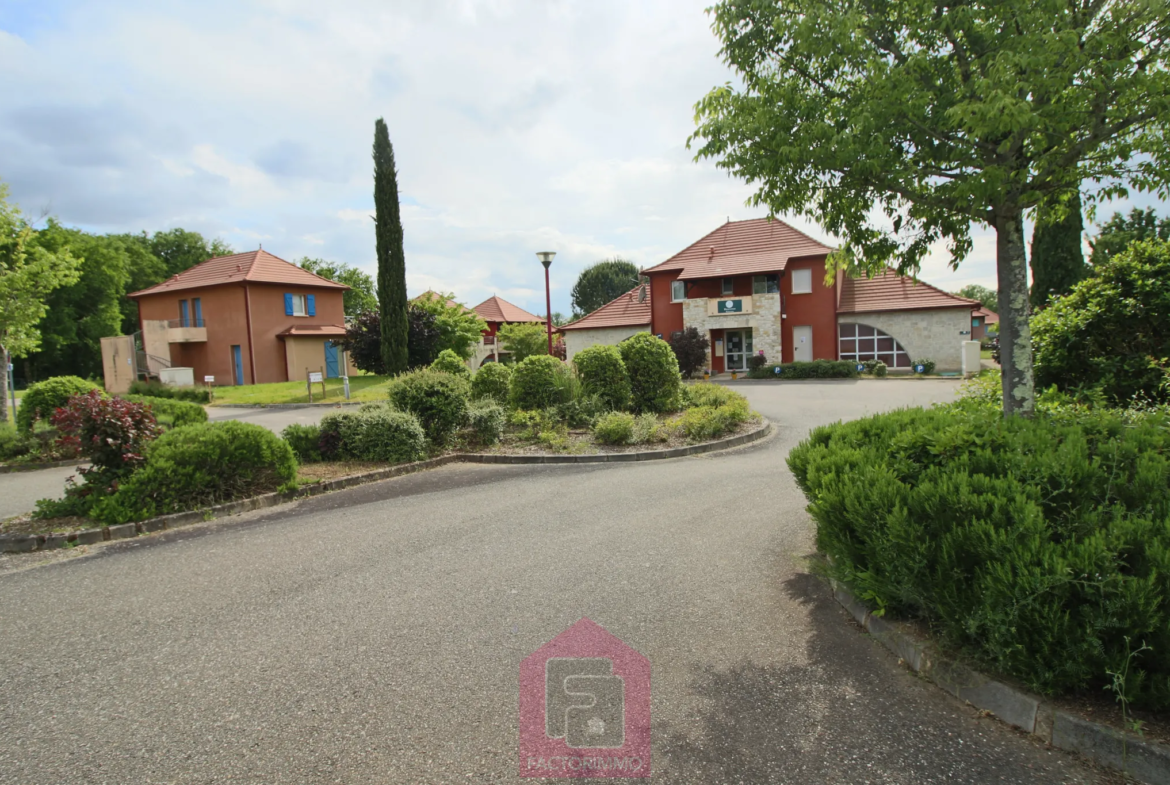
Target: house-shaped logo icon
585,707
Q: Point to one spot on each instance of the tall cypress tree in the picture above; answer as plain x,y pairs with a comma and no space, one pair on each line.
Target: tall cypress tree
391,257
1058,263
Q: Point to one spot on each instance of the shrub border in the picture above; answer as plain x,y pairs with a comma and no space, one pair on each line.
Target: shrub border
28,543
1148,761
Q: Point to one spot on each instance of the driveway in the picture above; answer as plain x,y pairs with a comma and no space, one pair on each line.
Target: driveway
375,635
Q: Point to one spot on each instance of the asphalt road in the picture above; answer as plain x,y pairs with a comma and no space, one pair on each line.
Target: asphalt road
375,635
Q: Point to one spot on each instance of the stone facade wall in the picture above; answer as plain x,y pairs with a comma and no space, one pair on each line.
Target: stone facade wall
930,334
576,340
764,321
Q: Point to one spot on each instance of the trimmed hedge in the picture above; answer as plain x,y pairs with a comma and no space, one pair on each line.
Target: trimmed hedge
485,421
603,373
449,362
654,375
494,381
179,412
439,400
372,434
1036,546
537,382
199,466
160,390
305,442
42,399
817,369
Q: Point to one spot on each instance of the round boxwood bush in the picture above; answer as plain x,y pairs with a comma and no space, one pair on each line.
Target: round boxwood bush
603,373
305,441
389,435
536,382
494,381
653,370
485,421
439,400
198,466
42,399
449,362
340,434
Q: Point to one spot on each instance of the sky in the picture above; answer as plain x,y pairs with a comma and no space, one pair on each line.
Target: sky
518,126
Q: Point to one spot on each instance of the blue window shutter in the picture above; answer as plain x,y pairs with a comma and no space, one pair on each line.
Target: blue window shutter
311,304
288,304
198,312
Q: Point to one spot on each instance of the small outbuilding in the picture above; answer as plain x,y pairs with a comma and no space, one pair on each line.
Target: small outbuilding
612,323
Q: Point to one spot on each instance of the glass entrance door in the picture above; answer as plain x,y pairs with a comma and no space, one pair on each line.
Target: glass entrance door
738,348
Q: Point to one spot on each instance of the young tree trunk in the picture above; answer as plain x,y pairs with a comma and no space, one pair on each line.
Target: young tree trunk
4,387
1015,336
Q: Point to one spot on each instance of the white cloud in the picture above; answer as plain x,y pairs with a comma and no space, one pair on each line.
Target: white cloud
518,125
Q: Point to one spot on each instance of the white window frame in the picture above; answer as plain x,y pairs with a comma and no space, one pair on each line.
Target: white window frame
675,285
760,284
300,300
804,274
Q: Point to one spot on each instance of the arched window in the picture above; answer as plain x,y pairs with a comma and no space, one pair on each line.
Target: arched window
860,342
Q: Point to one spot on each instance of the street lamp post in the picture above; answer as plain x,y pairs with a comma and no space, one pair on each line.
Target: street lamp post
546,258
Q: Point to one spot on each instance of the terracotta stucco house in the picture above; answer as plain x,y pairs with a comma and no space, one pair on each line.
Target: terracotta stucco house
249,318
497,311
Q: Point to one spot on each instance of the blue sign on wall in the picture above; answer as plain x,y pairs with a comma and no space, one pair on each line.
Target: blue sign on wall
731,306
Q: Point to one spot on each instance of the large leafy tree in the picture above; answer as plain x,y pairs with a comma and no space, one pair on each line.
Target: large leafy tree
28,274
360,298
896,124
989,298
391,255
1058,262
459,328
602,282
1120,231
180,250
523,339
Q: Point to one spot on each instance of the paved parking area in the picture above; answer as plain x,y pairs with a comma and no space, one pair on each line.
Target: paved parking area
374,635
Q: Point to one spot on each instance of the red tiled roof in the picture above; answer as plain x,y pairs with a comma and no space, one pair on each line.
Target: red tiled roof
310,330
760,245
892,292
624,311
431,294
497,309
253,267
989,317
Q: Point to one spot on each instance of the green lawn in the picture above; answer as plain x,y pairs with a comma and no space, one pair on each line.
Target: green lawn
361,388
985,354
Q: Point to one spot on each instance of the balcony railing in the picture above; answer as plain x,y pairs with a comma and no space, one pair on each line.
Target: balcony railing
489,340
196,321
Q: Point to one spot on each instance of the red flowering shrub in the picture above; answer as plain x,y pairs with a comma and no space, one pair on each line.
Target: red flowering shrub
111,432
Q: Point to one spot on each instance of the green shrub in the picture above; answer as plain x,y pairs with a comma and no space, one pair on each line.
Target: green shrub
817,369
449,362
43,398
305,442
690,349
615,428
494,381
174,412
485,421
879,369
703,423
160,390
198,466
1037,546
14,443
581,412
708,394
653,370
439,400
1112,330
537,382
340,435
389,435
604,374
648,428
927,366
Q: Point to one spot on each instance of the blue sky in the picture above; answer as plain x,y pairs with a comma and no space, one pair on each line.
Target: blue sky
517,126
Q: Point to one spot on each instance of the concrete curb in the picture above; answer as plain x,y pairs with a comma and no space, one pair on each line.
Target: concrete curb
1144,760
32,467
28,543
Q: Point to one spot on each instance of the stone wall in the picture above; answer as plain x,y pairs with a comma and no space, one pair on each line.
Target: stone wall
927,334
576,340
764,321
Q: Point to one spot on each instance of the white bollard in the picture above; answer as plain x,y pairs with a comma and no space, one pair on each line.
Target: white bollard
971,360
345,384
